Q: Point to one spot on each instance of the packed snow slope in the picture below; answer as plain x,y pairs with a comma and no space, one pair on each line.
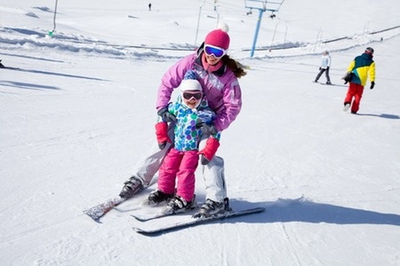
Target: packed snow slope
77,113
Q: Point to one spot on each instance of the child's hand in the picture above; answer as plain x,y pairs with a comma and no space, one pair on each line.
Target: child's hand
162,134
207,154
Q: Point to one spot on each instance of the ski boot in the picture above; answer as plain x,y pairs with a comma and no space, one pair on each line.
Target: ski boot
157,197
179,204
131,187
211,208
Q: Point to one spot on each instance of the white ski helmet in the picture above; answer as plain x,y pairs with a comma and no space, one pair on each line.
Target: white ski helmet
190,85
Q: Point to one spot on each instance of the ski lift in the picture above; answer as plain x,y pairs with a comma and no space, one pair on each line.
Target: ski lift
262,6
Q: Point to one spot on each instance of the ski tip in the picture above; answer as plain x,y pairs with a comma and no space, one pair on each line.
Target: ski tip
139,218
147,233
260,209
138,230
91,215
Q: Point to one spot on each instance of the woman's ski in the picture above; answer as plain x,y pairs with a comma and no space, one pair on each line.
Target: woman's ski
196,221
98,211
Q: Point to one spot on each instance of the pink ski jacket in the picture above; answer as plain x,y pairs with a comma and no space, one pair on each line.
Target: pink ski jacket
221,88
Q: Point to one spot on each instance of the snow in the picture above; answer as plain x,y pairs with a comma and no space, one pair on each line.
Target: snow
78,114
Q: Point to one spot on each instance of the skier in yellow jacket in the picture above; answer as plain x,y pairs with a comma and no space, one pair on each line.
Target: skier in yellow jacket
357,74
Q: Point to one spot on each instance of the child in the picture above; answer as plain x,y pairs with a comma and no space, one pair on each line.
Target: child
190,110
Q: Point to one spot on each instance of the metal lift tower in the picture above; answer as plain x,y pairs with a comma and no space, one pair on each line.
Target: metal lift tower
262,6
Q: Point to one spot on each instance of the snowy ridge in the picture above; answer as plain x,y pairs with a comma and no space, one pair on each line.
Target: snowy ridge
72,42
33,39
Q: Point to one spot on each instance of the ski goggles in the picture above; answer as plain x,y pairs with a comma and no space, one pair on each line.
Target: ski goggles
214,50
189,95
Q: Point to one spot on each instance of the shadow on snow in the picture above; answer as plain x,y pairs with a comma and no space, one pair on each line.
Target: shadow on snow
55,74
29,86
387,116
303,210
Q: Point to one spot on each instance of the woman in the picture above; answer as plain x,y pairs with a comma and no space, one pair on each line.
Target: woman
217,74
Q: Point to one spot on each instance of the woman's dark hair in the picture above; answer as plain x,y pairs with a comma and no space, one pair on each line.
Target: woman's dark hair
235,66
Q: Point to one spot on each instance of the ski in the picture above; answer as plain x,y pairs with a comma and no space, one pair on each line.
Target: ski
331,84
98,211
322,83
196,221
161,214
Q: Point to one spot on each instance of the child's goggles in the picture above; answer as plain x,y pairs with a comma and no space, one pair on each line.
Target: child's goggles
214,50
189,95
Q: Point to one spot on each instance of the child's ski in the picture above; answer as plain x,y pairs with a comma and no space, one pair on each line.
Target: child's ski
162,213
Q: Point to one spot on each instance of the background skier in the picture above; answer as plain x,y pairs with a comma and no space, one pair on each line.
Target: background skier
324,67
357,74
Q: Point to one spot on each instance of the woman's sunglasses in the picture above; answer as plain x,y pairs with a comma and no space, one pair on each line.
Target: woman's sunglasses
189,95
215,51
